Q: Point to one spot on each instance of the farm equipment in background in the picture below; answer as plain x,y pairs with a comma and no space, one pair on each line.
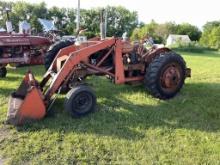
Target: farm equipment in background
161,70
21,48
16,49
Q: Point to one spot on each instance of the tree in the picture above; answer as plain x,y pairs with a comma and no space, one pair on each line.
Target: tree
25,11
70,25
163,30
119,20
209,25
148,29
160,32
211,35
58,15
187,29
215,37
90,20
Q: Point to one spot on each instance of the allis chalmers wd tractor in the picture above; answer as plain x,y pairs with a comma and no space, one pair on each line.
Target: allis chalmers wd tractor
161,70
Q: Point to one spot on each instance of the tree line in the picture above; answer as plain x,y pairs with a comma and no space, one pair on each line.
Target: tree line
160,32
119,20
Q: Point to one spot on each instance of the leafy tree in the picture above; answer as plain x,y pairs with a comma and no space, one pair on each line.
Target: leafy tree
147,30
23,10
187,29
163,30
209,25
160,32
119,20
70,25
211,35
90,20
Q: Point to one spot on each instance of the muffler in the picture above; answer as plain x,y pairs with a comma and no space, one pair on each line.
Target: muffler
26,103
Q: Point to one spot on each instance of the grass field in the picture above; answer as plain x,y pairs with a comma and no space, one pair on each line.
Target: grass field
129,127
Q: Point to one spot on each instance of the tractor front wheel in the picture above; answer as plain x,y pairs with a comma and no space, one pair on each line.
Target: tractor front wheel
80,101
165,75
3,72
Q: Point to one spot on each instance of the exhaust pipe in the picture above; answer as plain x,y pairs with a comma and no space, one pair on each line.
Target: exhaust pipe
103,24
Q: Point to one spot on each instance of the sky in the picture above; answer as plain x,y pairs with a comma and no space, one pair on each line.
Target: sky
196,12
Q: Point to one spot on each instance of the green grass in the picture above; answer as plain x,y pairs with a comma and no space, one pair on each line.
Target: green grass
129,127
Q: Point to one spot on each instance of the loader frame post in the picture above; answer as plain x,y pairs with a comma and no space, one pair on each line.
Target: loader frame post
119,67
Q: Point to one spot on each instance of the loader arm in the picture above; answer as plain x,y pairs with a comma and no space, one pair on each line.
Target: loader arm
74,58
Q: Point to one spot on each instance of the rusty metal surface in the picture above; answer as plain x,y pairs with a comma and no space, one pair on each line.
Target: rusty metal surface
23,49
16,40
152,53
171,77
26,103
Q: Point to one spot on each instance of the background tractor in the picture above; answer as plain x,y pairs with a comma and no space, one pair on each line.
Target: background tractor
21,48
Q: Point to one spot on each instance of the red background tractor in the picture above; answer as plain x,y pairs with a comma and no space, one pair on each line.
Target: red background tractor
21,48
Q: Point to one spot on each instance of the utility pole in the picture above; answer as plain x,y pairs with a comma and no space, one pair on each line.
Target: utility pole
102,24
7,11
78,17
8,22
106,21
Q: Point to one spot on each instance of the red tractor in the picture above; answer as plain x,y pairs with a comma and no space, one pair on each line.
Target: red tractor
23,48
161,70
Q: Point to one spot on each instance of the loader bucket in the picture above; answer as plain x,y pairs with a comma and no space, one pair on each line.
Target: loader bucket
26,103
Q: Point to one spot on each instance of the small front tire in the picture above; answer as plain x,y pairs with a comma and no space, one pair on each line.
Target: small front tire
80,101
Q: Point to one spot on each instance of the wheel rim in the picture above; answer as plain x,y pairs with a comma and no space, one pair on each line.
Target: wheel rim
82,102
171,77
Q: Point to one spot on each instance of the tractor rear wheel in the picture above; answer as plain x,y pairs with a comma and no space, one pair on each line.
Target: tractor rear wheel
3,72
80,101
53,50
165,75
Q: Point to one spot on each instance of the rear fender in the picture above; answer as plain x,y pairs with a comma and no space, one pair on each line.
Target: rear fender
153,53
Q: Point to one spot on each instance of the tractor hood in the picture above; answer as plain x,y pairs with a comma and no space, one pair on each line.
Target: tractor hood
18,39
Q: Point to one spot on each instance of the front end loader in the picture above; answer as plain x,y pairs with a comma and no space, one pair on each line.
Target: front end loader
161,70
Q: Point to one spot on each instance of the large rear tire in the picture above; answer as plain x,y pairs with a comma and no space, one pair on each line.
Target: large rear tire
3,72
165,75
54,49
80,101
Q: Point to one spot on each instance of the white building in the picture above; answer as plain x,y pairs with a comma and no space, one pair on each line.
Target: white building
24,27
175,39
2,30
